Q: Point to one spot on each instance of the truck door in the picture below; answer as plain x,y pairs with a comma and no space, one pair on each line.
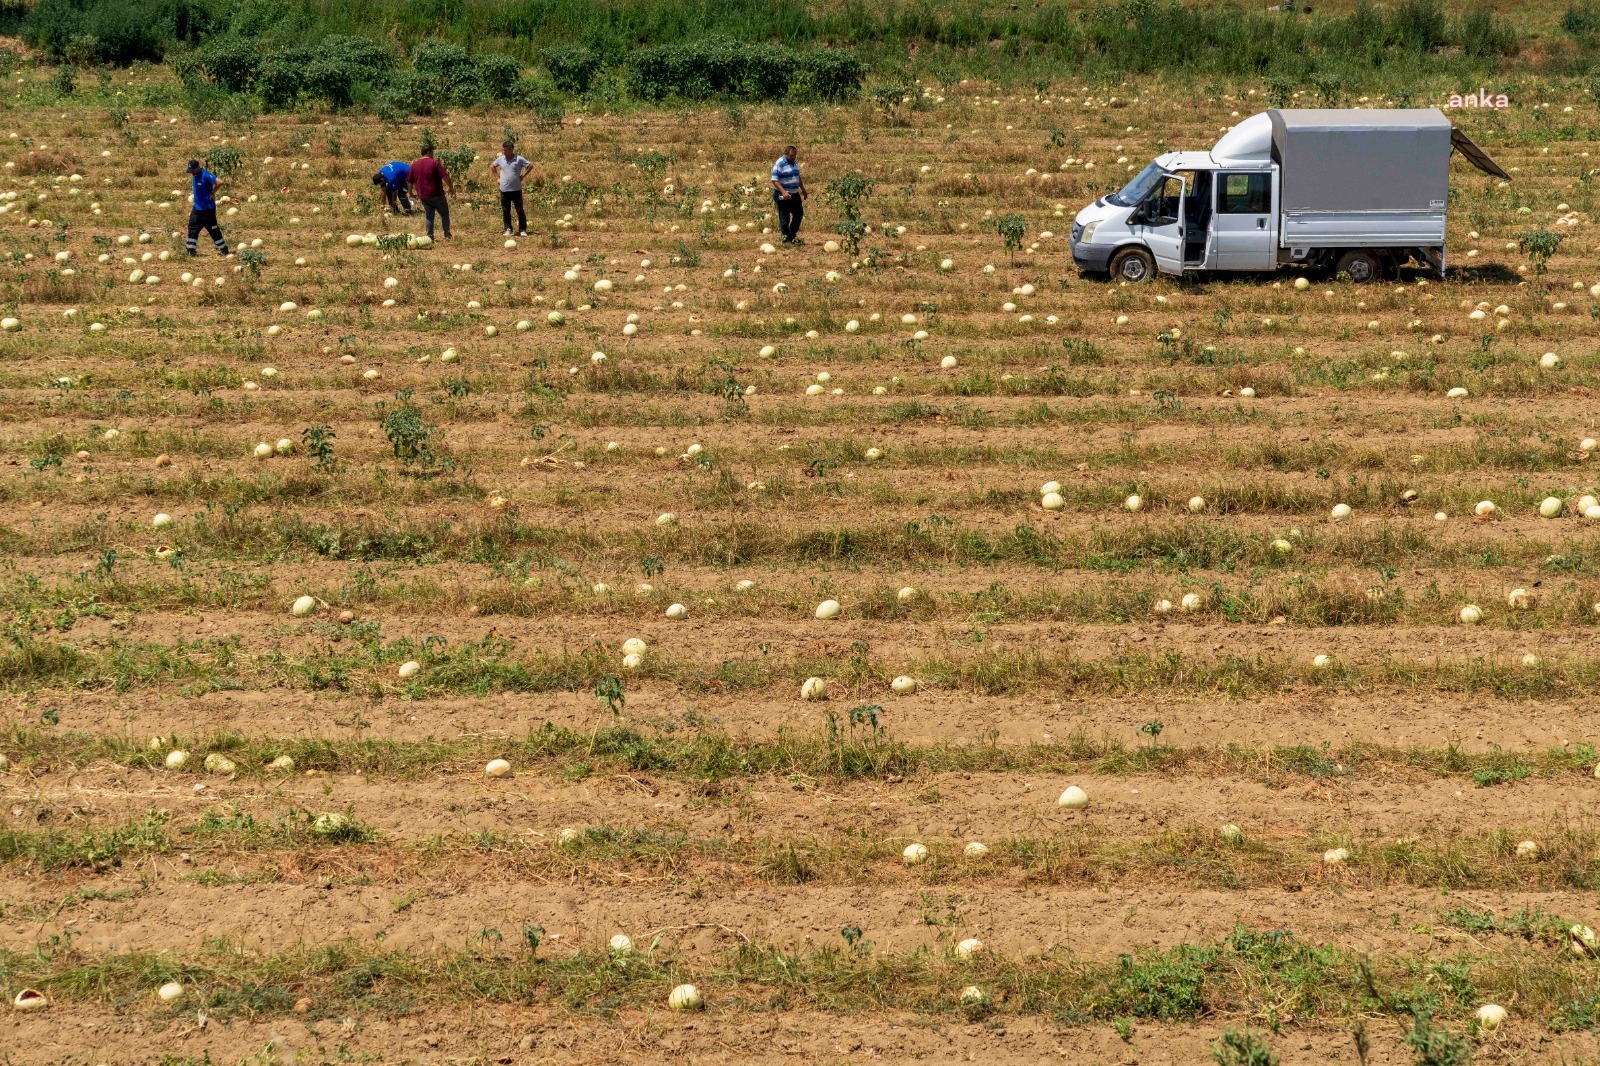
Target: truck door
1162,224
1245,225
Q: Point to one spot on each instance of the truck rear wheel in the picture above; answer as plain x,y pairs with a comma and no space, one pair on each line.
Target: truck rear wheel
1133,264
1362,266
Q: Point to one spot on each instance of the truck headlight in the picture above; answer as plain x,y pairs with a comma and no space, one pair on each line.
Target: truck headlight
1087,236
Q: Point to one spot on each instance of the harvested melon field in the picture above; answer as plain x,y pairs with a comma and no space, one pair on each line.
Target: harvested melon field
446,654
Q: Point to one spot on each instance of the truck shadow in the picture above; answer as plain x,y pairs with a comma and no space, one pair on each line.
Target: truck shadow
1489,273
1493,273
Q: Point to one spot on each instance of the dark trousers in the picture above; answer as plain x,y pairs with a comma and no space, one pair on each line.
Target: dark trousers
790,212
399,200
508,200
205,219
435,205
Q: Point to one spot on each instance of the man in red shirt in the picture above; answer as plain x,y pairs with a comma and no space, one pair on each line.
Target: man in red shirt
431,182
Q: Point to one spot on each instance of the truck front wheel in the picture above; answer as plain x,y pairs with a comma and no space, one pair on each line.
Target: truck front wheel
1362,266
1133,264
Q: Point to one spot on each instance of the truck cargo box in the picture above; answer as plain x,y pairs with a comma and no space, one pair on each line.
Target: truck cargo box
1344,161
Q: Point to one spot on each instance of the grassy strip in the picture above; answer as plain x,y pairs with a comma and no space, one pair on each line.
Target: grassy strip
364,664
1268,977
300,486
1080,854
842,752
1343,598
1277,378
1134,544
1165,495
1488,451
689,411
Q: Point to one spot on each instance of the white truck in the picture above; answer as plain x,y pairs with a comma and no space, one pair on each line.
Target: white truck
1351,190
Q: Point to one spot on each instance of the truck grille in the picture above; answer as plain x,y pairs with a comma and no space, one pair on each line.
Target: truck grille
1077,231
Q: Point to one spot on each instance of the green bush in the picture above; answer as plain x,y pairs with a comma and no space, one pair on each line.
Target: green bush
159,94
1419,25
414,94
498,74
125,33
770,71
272,20
539,98
82,51
456,161
186,21
116,31
392,103
1486,35
365,59
1242,1049
1167,987
230,62
831,74
338,71
280,81
329,80
223,160
693,71
572,67
448,73
205,102
718,66
303,75
186,67
1280,91
1582,20
890,96
451,67
52,24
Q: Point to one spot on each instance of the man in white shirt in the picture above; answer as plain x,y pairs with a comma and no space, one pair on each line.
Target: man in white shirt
508,168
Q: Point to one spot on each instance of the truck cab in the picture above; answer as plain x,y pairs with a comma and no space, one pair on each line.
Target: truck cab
1213,210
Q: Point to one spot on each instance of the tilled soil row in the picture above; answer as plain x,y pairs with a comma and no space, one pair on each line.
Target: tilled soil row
1269,438
1303,594
520,1035
1132,822
772,505
179,905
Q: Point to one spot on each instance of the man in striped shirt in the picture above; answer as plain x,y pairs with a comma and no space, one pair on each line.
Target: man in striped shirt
788,193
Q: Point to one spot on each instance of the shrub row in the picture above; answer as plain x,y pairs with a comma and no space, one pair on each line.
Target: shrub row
720,66
341,71
217,50
116,31
1110,36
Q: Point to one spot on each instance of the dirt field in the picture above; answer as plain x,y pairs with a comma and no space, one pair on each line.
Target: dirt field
512,483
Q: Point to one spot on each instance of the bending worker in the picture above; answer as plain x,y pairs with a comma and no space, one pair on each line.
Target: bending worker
392,179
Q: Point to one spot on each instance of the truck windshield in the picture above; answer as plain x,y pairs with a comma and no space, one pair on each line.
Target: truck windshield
1140,188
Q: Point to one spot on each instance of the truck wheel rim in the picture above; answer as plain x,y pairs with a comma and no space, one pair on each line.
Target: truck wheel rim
1133,268
1360,270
